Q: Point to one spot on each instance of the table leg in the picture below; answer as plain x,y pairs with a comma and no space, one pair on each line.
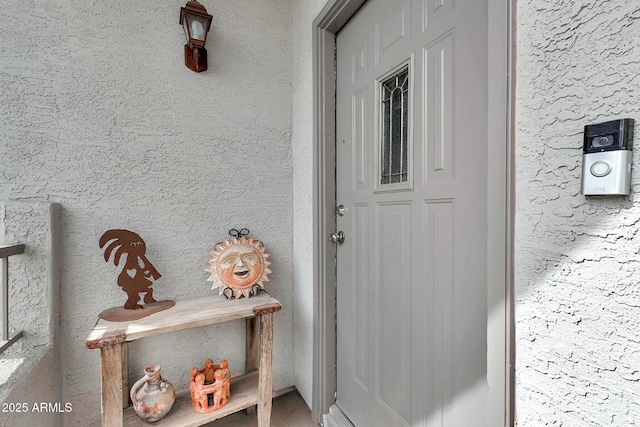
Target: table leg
265,375
125,374
111,384
251,353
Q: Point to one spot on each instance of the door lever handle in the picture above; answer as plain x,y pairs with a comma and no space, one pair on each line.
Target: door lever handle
337,237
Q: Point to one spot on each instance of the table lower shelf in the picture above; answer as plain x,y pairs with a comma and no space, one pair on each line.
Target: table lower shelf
244,393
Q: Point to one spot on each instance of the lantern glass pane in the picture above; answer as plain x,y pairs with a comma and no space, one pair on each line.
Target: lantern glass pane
197,27
186,32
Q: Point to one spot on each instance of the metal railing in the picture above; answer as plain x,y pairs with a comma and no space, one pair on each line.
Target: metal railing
5,252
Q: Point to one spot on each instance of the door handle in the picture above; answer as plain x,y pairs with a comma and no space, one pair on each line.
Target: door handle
337,237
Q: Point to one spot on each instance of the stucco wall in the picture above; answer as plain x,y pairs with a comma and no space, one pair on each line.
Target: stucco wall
32,362
304,12
99,113
578,299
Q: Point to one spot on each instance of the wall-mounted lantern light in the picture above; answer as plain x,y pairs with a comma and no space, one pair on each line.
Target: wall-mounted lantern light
196,23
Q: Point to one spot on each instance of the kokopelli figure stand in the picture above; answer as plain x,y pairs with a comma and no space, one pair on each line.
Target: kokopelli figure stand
136,277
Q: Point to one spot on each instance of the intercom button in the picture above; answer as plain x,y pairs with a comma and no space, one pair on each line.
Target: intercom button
600,169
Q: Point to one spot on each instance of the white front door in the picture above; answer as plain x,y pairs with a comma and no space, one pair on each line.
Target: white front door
411,174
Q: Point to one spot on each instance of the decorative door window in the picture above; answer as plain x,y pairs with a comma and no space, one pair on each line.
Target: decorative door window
394,139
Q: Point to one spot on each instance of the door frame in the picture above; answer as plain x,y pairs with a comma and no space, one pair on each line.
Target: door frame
500,180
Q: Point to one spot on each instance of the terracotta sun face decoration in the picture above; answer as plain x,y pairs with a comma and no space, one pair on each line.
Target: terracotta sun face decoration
239,267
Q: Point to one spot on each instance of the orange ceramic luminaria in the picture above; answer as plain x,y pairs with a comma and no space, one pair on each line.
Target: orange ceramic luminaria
238,266
211,383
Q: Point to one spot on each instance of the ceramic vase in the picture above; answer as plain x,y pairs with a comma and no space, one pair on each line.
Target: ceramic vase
152,396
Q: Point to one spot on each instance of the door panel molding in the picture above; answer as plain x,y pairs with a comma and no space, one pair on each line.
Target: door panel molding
331,19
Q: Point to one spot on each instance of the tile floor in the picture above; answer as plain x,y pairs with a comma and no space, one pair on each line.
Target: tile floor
289,410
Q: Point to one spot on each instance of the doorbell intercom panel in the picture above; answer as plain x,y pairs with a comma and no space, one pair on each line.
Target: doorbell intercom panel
606,162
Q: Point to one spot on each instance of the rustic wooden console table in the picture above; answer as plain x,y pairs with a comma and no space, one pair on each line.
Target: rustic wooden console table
253,388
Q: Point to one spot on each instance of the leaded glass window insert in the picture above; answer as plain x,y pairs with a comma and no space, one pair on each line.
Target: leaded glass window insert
394,125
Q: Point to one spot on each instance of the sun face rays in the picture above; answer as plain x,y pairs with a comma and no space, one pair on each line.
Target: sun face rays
238,267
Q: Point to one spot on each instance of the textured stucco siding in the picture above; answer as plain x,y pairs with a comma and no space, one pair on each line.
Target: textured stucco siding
32,308
28,402
577,281
99,113
34,301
